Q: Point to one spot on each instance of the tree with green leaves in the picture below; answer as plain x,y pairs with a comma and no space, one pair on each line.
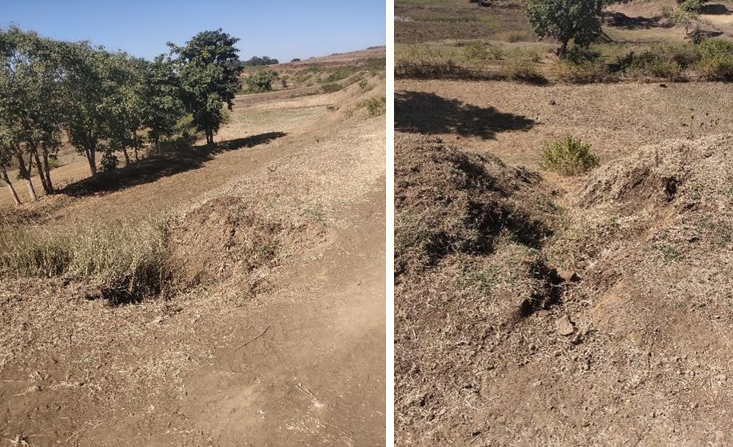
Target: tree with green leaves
6,157
163,99
84,89
209,70
261,81
566,20
29,106
124,103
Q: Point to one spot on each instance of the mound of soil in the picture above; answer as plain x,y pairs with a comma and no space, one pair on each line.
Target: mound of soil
689,173
470,276
225,241
450,202
630,348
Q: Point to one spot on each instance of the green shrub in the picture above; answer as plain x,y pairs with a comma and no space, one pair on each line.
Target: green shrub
261,81
569,156
651,63
692,6
476,51
331,87
716,61
109,161
524,71
375,106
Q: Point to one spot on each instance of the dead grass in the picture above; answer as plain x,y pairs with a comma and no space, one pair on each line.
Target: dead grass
127,260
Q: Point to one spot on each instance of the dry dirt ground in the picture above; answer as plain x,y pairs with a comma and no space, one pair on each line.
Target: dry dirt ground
537,310
292,353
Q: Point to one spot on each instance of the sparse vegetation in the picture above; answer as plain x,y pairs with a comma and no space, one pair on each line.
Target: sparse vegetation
375,106
569,156
331,87
524,71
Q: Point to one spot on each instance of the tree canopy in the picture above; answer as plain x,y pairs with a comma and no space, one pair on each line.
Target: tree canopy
566,20
209,71
103,102
257,61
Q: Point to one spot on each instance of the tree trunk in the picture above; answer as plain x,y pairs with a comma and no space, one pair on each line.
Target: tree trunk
41,172
5,178
29,182
127,156
562,50
47,170
91,155
25,173
135,145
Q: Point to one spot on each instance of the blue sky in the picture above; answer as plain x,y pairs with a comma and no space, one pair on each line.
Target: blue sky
282,29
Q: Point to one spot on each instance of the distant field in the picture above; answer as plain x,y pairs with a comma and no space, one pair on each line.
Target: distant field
460,39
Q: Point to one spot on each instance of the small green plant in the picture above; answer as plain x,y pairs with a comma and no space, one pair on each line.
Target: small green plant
363,84
485,280
668,252
476,51
375,106
524,71
569,156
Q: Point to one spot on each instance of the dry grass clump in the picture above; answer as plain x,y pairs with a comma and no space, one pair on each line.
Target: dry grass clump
126,259
524,71
448,201
129,260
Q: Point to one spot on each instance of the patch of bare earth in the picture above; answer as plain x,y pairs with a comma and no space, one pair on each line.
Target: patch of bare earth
608,330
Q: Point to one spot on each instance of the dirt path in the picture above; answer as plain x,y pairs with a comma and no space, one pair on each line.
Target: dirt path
299,370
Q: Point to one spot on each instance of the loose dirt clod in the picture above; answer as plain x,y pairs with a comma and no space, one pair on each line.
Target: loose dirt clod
565,326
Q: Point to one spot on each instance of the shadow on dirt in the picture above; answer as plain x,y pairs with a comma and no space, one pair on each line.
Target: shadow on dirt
163,164
427,113
621,20
716,9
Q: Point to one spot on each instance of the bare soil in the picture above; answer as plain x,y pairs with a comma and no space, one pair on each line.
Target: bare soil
609,328
281,341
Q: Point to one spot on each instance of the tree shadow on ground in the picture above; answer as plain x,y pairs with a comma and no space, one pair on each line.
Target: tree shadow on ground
427,113
168,162
716,9
621,20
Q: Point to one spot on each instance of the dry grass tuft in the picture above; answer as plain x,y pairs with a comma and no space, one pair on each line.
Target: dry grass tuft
126,259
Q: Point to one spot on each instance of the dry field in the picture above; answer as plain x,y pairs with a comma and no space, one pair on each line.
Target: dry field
274,334
534,309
